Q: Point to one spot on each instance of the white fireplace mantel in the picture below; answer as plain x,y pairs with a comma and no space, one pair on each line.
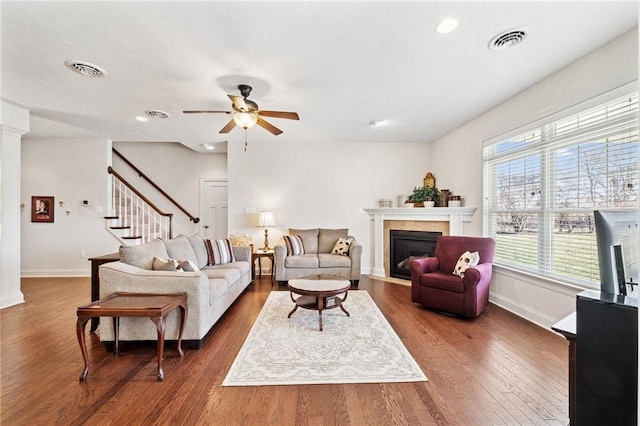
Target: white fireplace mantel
454,215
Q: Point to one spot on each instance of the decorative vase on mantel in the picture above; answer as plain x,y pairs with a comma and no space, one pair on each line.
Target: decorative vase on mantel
444,198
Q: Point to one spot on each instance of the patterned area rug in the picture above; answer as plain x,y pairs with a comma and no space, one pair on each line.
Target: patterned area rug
362,348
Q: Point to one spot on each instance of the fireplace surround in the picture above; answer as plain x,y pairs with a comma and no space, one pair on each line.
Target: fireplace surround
449,220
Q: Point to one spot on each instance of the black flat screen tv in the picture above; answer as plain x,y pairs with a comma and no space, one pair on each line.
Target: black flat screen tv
618,240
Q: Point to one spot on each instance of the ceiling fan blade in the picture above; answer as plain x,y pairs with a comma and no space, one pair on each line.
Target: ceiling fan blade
280,114
268,126
206,112
228,127
239,102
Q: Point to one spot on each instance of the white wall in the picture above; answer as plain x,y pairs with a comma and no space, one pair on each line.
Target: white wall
457,160
76,170
70,171
319,185
174,168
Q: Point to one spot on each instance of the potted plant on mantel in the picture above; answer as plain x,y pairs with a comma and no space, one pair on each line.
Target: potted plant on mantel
424,193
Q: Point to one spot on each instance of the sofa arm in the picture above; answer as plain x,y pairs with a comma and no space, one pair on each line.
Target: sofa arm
355,253
242,253
280,253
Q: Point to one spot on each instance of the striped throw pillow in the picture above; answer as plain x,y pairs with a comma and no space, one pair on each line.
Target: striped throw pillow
294,245
219,251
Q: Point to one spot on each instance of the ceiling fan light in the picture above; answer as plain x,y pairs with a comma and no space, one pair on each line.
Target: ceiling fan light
245,119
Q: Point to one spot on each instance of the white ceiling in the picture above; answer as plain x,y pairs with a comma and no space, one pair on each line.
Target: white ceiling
338,64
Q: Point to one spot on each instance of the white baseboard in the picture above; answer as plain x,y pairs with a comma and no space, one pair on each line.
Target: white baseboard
55,273
525,312
12,300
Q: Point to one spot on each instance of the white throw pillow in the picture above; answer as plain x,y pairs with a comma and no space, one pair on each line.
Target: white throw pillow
188,266
466,261
165,265
342,246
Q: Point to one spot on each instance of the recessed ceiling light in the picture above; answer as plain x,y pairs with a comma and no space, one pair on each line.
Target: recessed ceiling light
140,118
209,147
157,114
85,68
377,123
447,25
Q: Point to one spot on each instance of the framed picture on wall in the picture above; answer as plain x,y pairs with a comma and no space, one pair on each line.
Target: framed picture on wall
42,209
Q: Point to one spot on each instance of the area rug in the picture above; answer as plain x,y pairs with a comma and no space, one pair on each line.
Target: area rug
362,348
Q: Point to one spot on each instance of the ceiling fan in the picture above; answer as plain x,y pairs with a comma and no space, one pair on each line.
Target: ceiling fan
246,113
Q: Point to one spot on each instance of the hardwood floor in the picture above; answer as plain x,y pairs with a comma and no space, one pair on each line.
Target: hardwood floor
495,370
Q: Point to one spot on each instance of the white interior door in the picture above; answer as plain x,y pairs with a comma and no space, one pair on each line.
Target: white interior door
213,208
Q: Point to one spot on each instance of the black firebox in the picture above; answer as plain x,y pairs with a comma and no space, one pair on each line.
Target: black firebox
405,246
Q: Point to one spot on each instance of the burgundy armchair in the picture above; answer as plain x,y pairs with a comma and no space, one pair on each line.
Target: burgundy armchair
434,285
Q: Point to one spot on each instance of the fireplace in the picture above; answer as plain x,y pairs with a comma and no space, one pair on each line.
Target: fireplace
405,246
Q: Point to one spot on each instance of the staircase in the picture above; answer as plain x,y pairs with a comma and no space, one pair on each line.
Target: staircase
133,219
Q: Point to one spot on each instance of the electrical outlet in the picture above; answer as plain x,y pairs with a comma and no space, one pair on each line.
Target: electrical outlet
83,254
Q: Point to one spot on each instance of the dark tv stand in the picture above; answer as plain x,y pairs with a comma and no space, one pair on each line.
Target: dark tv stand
603,359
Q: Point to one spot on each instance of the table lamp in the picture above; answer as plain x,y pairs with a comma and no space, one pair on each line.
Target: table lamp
266,220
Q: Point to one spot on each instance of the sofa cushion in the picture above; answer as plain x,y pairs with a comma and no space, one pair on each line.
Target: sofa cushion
180,248
294,245
141,256
165,264
197,244
327,238
327,260
219,251
240,265
302,261
443,280
309,239
342,246
228,274
217,287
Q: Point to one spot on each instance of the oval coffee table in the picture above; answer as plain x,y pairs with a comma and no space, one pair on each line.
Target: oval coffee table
318,292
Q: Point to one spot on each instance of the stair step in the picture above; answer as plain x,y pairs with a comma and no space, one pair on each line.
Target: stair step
132,237
111,217
120,227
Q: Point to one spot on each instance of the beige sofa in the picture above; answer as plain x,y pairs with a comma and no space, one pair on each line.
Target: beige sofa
317,258
210,292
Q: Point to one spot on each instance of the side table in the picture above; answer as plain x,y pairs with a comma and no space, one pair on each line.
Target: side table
95,281
116,305
259,254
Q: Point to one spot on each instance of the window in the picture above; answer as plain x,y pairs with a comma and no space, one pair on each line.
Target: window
542,185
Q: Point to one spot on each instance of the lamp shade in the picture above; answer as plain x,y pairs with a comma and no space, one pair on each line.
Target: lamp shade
245,120
266,219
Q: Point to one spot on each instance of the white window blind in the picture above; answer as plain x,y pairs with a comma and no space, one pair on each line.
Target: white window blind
541,187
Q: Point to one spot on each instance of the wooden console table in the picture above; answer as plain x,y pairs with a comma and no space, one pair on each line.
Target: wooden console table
95,281
154,306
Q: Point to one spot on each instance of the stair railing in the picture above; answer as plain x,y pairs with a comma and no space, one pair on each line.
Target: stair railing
152,183
144,220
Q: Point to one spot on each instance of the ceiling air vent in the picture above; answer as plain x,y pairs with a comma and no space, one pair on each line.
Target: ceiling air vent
85,68
508,39
157,114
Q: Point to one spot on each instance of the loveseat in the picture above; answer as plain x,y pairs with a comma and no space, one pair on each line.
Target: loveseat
210,276
309,252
